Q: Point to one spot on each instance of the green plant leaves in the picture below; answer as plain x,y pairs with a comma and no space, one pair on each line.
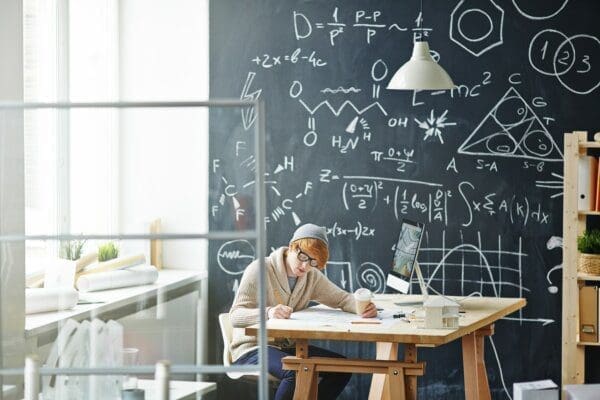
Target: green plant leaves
107,251
72,249
589,242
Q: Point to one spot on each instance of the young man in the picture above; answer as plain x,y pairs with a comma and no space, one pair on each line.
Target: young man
294,278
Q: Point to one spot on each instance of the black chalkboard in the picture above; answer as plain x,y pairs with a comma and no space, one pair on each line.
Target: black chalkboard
480,165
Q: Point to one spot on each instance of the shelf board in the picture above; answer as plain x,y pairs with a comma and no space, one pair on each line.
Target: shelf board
588,343
589,145
588,212
587,277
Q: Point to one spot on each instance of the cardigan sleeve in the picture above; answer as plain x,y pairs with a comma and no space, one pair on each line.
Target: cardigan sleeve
244,310
326,292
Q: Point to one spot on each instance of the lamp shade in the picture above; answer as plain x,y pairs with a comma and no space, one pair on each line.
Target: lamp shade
421,72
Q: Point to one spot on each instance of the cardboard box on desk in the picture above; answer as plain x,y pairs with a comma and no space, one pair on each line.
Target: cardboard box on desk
536,390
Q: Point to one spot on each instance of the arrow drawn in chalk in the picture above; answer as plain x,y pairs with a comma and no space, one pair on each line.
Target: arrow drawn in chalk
248,115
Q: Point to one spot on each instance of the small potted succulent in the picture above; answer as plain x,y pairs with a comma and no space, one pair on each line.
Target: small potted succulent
107,251
588,245
71,250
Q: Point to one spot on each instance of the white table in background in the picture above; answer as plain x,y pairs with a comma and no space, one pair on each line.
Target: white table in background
41,328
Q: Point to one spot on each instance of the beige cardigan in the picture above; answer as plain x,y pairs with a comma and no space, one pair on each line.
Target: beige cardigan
313,286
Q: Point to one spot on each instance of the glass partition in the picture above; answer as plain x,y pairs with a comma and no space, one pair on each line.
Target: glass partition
116,225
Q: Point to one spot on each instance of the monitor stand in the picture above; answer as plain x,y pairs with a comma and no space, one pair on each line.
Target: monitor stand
422,286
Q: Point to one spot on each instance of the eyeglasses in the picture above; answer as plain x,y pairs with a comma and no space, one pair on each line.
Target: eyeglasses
302,256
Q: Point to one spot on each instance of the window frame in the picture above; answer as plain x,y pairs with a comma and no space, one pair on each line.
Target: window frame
60,25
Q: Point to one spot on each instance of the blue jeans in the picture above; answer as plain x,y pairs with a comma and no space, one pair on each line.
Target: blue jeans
331,384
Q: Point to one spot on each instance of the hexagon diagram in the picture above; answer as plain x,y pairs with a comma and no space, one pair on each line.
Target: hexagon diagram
476,25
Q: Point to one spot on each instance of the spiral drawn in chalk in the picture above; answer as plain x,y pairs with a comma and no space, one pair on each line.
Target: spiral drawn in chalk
370,276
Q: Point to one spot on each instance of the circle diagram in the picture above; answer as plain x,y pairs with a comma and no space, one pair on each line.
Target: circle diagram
234,256
570,59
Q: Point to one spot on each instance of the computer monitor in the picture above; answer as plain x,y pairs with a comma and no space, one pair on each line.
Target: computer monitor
405,258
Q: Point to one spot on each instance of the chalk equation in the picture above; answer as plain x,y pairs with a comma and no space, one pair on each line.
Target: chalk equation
269,61
368,22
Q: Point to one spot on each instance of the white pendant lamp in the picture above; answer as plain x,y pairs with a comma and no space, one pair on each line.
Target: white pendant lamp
421,72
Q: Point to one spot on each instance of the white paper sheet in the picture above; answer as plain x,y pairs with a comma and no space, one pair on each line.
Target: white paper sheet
326,316
50,299
133,276
323,315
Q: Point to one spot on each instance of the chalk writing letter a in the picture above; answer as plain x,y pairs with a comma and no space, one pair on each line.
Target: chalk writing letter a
452,165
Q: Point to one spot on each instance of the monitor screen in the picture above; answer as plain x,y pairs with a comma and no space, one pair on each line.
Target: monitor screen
405,255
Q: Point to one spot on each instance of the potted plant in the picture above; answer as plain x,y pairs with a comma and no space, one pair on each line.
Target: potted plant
107,251
588,245
71,250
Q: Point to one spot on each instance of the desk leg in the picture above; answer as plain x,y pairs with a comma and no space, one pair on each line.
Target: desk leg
307,380
476,381
306,383
302,348
385,351
410,355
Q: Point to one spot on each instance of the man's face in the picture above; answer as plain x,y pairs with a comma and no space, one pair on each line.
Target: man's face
301,263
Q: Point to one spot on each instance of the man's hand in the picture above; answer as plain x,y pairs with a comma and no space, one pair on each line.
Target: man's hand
280,311
370,311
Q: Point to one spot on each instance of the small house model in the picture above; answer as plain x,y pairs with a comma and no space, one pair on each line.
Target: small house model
441,313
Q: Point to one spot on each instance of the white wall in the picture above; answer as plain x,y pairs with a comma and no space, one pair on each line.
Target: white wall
163,161
163,153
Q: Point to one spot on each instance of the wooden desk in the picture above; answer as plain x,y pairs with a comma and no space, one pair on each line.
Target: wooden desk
477,322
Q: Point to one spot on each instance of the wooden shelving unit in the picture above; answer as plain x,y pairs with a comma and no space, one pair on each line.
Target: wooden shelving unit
574,223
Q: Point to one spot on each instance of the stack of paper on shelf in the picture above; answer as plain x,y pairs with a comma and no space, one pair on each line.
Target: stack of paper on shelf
133,276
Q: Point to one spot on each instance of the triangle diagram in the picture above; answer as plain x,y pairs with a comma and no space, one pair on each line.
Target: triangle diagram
512,129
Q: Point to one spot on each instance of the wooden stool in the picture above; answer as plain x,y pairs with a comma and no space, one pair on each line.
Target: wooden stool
307,372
